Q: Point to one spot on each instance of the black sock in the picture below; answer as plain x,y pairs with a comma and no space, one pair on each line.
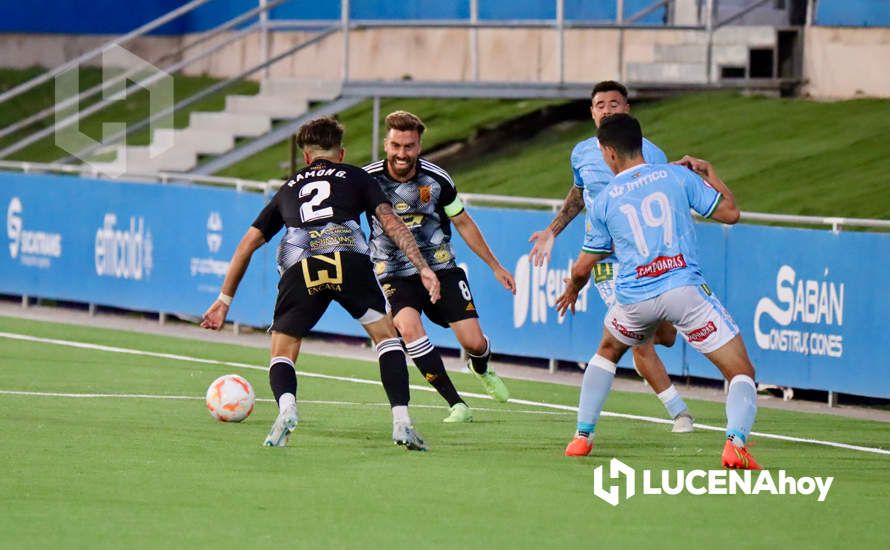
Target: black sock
430,364
480,362
394,371
282,377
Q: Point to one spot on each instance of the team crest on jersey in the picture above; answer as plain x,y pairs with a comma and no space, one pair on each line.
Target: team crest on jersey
425,193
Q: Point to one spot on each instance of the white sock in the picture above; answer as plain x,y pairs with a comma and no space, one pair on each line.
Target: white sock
400,415
286,400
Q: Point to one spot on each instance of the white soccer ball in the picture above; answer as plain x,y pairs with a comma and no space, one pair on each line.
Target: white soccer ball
230,398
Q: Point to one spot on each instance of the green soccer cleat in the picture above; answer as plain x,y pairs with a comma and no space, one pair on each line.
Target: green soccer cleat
493,384
460,412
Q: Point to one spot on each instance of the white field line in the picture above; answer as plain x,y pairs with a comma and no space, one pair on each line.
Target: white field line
263,400
186,358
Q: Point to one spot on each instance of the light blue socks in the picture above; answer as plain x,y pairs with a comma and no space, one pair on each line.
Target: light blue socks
741,408
595,388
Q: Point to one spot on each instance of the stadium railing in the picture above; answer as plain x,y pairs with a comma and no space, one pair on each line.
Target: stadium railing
476,199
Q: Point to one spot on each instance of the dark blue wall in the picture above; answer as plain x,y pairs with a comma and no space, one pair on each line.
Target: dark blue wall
118,17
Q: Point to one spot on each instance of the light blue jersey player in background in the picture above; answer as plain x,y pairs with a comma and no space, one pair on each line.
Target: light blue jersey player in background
643,215
591,174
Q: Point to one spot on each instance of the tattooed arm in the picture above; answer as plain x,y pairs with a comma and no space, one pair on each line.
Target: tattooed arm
396,230
573,204
543,240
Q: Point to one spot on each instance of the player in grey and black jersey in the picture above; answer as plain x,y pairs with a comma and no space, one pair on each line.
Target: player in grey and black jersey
323,256
426,199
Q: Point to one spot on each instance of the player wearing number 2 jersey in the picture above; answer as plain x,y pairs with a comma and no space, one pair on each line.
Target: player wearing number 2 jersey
643,215
323,256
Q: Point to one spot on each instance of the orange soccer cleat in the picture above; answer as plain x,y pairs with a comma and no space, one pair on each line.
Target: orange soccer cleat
580,446
738,458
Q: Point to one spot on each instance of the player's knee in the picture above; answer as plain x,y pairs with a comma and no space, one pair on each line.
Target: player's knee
611,349
410,330
475,345
644,353
384,329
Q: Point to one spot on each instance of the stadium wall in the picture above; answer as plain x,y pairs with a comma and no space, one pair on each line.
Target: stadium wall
835,59
844,62
809,320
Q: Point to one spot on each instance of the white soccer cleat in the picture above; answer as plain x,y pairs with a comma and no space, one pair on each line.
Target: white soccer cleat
403,434
282,427
683,423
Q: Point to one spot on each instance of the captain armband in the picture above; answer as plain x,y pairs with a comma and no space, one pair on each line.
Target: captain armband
455,208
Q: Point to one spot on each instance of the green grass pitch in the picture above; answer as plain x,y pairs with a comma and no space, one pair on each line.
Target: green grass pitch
129,472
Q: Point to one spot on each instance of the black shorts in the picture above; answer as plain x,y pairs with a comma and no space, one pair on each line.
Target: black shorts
307,288
455,304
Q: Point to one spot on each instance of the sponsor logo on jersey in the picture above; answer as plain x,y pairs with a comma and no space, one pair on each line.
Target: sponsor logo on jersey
806,304
661,265
124,253
332,235
326,273
637,182
626,331
31,248
425,193
701,334
388,290
603,272
471,307
401,207
413,220
380,267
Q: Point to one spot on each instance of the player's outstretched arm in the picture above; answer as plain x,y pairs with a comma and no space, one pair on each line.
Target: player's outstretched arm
727,211
543,239
215,316
472,235
396,230
580,275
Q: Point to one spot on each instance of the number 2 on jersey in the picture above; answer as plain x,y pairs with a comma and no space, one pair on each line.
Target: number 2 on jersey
309,210
664,219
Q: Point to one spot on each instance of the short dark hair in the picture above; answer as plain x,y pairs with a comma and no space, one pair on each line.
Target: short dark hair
322,133
404,121
609,86
621,132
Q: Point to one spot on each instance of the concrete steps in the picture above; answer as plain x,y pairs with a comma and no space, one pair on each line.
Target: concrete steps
215,133
687,62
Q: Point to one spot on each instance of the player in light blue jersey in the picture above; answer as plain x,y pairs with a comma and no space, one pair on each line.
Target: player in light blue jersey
591,174
643,216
